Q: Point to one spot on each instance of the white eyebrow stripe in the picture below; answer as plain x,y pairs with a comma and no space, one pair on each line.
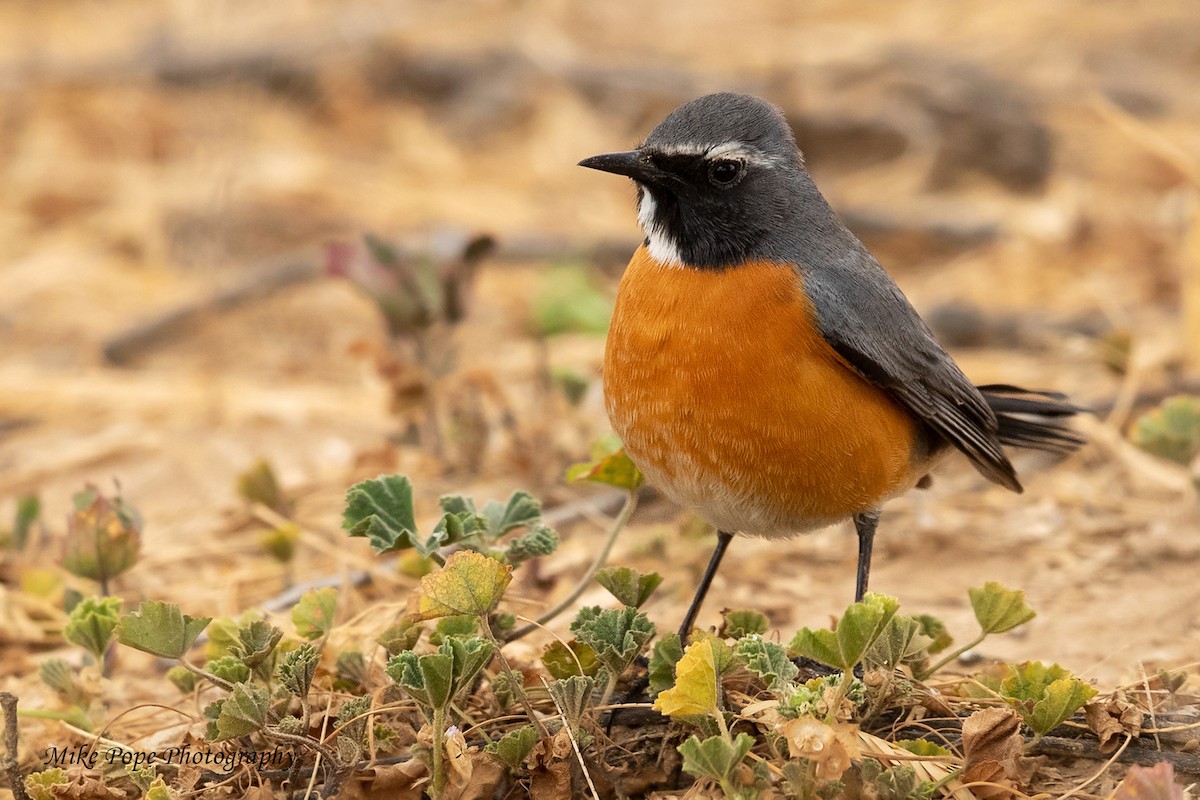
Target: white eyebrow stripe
733,149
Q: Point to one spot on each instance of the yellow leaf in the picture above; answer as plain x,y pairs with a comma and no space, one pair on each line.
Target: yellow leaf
469,583
695,689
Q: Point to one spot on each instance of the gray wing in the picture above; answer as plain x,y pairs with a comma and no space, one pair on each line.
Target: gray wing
870,323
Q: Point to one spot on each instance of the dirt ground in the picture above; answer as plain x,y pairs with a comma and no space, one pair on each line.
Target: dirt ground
1027,171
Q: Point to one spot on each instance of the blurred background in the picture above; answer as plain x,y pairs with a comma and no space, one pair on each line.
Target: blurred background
185,287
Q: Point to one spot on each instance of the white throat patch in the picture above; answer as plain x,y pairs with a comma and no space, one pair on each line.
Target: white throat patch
661,246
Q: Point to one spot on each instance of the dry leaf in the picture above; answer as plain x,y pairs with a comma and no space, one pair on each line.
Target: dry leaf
992,745
86,788
830,746
1150,783
1112,718
550,768
486,774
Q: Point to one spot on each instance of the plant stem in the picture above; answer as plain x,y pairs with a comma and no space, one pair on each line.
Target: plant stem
609,689
224,684
597,563
512,679
439,737
924,675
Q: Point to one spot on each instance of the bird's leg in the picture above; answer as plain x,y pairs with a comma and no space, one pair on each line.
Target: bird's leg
723,540
865,523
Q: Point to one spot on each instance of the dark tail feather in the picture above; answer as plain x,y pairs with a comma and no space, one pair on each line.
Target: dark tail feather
1033,420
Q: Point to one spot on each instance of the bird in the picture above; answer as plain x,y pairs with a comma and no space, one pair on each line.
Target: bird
761,367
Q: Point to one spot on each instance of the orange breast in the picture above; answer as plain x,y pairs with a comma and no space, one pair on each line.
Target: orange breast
728,398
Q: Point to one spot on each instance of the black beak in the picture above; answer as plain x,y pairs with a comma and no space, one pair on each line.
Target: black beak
630,164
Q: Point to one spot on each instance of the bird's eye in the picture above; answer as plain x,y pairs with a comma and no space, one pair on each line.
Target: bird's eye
725,172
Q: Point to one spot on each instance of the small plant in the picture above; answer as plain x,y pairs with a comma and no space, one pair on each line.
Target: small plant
1171,431
103,537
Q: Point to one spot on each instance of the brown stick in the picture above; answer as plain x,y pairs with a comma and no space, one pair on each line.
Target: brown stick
1134,754
12,766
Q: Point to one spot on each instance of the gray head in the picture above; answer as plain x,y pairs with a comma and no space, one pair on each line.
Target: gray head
720,181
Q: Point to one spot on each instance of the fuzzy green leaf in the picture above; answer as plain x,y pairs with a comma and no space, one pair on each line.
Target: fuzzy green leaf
256,642
714,758
92,623
183,678
901,642
229,668
744,622
434,679
381,509
573,695
297,669
463,626
240,714
617,635
160,629
844,646
663,658
521,510
767,660
630,587
538,541
514,747
998,609
313,615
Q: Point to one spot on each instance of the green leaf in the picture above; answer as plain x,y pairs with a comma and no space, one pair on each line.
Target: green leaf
350,671
844,646
538,541
381,509
351,720
158,790
229,668
521,510
240,714
313,615
998,609
630,587
434,679
297,669
936,630
183,678
767,660
573,658
567,301
462,626
695,691
1044,696
1171,431
617,635
256,641
609,465
923,747
663,658
259,485
514,747
160,629
400,636
573,696
280,543
29,509
40,785
901,642
714,758
92,622
103,536
743,622
469,583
